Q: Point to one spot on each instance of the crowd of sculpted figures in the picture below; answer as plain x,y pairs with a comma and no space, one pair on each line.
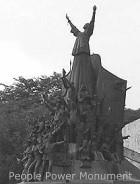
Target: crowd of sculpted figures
75,130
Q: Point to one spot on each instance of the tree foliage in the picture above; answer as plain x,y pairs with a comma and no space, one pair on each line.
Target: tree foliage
131,115
20,106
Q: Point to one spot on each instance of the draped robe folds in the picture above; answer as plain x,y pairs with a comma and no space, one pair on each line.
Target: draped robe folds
82,70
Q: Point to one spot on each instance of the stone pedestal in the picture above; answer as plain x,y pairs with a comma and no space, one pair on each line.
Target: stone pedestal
93,182
97,172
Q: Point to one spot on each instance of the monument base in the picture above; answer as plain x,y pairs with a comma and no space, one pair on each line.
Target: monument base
91,182
96,172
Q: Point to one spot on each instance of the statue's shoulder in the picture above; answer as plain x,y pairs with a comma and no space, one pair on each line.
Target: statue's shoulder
96,57
96,61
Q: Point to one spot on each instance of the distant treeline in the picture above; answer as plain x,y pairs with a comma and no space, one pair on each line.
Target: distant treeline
131,115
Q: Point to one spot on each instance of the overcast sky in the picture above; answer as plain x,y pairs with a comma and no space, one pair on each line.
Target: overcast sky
35,38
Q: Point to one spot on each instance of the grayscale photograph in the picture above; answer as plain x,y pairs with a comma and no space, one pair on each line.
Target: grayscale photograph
69,92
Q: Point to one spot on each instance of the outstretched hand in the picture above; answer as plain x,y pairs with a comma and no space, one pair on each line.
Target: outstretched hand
94,8
67,17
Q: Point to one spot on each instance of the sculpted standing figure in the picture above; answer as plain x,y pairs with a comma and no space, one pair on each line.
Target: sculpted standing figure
82,70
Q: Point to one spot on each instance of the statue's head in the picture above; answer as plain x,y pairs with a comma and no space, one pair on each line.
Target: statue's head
34,140
50,138
82,124
41,119
94,136
89,107
86,26
29,142
95,97
47,124
107,139
72,83
73,106
83,87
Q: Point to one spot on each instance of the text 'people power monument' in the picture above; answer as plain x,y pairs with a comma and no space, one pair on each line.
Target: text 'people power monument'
82,135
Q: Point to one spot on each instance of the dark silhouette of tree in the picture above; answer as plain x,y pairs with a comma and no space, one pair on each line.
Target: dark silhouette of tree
20,107
131,115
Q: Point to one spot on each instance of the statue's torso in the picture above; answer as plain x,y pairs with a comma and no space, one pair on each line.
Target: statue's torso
81,44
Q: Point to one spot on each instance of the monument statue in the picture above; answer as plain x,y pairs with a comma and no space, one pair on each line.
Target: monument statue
82,130
82,70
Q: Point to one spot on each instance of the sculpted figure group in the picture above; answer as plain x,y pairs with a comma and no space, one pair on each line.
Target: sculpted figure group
71,132
76,128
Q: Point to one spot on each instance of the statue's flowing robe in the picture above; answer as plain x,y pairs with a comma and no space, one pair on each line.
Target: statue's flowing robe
82,70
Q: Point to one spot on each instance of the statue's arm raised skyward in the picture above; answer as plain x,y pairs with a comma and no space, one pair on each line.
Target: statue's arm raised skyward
74,29
91,24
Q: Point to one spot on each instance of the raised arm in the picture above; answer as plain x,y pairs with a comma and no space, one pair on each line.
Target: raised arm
74,29
91,25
